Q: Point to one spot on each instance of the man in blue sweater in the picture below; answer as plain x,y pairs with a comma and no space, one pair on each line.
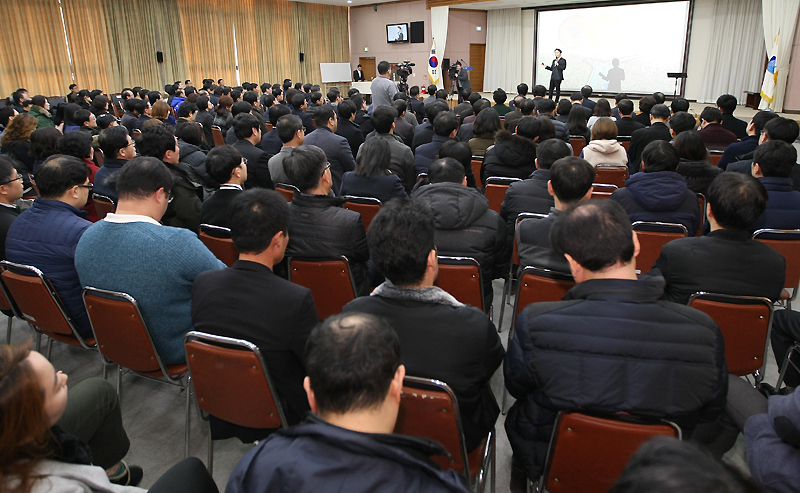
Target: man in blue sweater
131,252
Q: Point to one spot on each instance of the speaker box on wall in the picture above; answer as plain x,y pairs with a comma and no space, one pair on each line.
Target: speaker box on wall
302,56
160,57
417,34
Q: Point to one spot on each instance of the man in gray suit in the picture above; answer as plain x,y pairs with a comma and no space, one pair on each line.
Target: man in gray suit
463,84
336,147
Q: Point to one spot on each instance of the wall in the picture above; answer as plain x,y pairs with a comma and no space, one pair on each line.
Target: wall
368,29
792,100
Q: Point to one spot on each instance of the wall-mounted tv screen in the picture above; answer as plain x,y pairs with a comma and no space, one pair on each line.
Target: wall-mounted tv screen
397,33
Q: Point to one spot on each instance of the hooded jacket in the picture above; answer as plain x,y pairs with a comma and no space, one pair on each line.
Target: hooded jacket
511,156
605,152
698,174
660,196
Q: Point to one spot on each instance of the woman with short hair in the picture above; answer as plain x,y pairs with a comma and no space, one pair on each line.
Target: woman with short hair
604,148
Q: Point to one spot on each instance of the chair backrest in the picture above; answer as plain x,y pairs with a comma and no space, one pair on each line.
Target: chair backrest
787,243
428,408
610,174
286,190
103,205
216,132
99,157
121,331
218,241
624,141
715,157
137,133
7,302
461,277
588,454
602,190
578,143
701,199
652,236
368,207
231,381
537,285
39,304
269,126
330,281
495,191
477,162
745,323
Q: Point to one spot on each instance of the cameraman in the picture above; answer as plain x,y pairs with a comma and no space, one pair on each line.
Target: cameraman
463,84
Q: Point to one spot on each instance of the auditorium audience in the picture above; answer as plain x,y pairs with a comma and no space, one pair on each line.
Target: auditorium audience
499,96
372,176
44,143
645,105
402,161
657,130
445,127
290,131
589,352
347,127
79,145
602,109
424,133
40,107
773,164
727,105
658,193
514,155
547,108
336,148
486,125
695,163
570,182
118,148
225,165
712,131
736,152
428,320
10,191
192,156
604,148
626,125
248,135
154,264
779,128
577,123
15,143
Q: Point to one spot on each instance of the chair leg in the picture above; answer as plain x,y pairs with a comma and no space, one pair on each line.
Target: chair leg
494,462
188,389
105,371
119,382
210,451
785,365
49,347
8,330
38,342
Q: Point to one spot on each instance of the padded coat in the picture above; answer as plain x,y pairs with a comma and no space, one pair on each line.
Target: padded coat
783,207
511,156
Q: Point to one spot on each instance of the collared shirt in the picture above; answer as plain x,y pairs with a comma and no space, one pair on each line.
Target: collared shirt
230,186
129,218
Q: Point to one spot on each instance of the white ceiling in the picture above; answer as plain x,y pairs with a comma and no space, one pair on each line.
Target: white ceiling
490,5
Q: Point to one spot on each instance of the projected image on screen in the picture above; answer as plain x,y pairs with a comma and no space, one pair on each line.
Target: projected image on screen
602,53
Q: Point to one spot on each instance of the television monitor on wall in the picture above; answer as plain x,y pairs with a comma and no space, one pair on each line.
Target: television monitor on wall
397,33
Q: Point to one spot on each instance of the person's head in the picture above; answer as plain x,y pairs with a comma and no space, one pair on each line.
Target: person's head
576,97
441,94
246,126
240,107
290,128
400,106
681,122
602,108
679,104
619,97
107,120
499,96
564,107
358,100
383,67
155,96
783,129
187,110
64,178
85,118
735,201
544,106
446,170
276,112
413,91
40,101
481,105
335,386
77,144
325,116
594,236
383,119
308,169
659,156
191,133
549,151
691,146
727,104
400,240
459,151
577,120
250,97
433,109
11,187
6,114
759,120
143,185
374,158
571,179
774,158
539,91
473,98
487,123
659,112
160,111
710,115
259,221
159,141
537,128
19,129
604,129
646,104
522,89
224,164
298,102
346,109
445,124
557,52
136,106
431,90
224,104
44,142
586,91
659,97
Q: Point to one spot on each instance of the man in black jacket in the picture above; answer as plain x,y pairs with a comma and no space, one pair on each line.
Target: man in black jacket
299,107
645,105
727,105
557,68
118,148
658,130
428,320
347,127
248,134
596,350
514,155
626,125
224,165
423,134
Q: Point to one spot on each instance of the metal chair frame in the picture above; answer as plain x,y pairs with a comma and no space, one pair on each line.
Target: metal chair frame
786,363
12,307
445,260
103,199
781,232
604,189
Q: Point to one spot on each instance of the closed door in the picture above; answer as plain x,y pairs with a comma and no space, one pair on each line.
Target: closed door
368,66
477,58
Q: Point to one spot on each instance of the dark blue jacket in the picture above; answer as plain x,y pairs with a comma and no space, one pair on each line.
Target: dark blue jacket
379,186
610,347
660,196
426,153
317,456
735,152
783,208
45,236
271,143
338,152
308,123
110,166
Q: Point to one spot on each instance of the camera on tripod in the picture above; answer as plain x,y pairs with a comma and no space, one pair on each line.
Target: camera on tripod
403,71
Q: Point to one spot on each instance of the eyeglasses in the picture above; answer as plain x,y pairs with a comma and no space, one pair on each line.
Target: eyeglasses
88,186
12,180
171,197
327,167
244,162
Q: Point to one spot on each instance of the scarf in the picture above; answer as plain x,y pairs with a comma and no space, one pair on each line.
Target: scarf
432,294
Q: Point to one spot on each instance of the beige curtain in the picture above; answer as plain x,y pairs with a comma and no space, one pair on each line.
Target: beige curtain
207,37
327,42
34,50
168,29
94,62
133,40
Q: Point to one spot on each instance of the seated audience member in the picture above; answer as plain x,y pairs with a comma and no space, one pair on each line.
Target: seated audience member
486,126
161,112
402,162
779,128
691,265
658,193
132,113
563,109
601,110
10,191
79,145
577,123
604,148
158,141
291,132
460,152
514,155
44,143
737,152
225,165
118,148
626,125
547,108
727,105
695,163
657,130
428,320
86,121
320,227
362,119
206,119
773,164
712,131
645,105
144,109
247,301
153,263
348,439
570,182
44,236
532,194
431,91
187,112
62,442
591,351
586,92
270,142
223,117
299,107
15,143
514,115
416,105
402,128
465,226
248,134
347,127
424,133
465,130
192,155
499,96
445,128
681,122
679,105
40,107
336,148
372,177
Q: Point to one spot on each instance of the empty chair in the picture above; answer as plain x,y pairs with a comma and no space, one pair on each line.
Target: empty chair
495,191
286,190
218,240
787,243
330,281
602,190
368,207
652,236
103,205
610,174
461,277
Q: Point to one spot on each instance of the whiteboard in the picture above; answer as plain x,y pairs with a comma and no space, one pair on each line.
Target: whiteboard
335,72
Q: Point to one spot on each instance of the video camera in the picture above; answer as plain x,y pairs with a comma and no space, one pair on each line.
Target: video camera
403,71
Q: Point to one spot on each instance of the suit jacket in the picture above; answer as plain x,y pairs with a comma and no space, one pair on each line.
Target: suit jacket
247,301
783,207
588,103
215,208
352,133
358,75
714,135
308,123
427,153
557,68
257,165
735,152
639,140
627,125
462,81
418,108
705,263
423,134
381,187
337,150
404,130
271,143
735,125
643,118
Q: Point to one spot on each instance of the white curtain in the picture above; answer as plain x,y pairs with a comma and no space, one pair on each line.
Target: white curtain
439,17
736,53
503,34
780,16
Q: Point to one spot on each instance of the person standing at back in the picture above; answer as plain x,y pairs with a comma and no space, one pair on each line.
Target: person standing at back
382,88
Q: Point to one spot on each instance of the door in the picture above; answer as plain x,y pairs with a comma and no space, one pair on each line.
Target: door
477,58
368,66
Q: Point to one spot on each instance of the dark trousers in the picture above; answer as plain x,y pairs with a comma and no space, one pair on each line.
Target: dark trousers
187,476
555,84
93,415
785,332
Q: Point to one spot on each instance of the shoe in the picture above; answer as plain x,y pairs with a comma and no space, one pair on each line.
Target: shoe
131,476
766,389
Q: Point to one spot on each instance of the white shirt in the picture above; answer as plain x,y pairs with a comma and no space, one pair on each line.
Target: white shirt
129,218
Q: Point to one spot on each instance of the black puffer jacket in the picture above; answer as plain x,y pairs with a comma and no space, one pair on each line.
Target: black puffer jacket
195,158
511,156
698,174
184,209
610,347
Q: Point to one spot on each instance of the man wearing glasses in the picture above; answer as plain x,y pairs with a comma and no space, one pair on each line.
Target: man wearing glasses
46,234
118,148
10,191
